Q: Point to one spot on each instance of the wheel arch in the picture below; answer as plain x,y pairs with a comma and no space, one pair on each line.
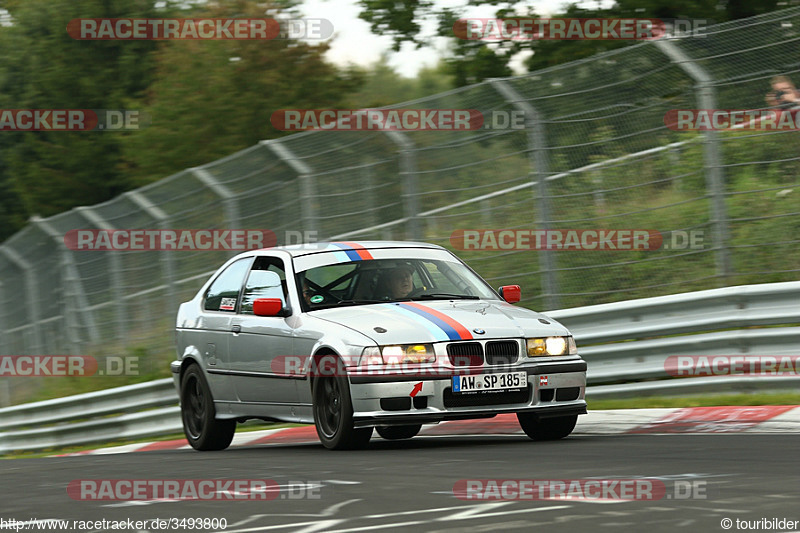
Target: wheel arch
186,362
318,355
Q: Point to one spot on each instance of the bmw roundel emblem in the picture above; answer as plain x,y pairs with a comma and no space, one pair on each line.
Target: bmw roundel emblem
479,331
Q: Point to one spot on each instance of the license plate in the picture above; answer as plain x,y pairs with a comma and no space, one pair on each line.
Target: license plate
490,382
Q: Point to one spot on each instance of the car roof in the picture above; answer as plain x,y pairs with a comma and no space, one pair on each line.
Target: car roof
297,250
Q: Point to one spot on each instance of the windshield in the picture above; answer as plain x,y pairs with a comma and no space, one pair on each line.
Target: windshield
389,280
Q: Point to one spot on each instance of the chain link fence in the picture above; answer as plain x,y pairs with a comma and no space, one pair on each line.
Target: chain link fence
595,154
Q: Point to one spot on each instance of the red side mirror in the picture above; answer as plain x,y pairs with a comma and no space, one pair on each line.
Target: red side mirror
267,306
511,293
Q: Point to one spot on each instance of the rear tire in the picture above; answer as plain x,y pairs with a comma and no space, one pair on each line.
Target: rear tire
200,425
333,414
398,432
546,428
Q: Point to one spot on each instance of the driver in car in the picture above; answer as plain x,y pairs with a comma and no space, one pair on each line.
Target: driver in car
397,282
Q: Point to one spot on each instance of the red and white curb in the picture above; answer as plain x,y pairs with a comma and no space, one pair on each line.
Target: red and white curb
754,419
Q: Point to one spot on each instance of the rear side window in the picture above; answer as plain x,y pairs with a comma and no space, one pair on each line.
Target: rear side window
224,292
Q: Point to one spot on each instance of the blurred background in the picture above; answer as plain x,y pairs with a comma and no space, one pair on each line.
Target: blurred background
595,154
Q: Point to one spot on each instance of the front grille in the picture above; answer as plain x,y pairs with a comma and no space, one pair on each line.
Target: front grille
485,398
502,352
465,354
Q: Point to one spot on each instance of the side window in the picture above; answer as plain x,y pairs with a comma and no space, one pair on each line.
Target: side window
266,280
224,292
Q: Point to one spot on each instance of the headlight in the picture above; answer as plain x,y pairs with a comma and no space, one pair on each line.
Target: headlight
548,346
555,345
398,354
371,356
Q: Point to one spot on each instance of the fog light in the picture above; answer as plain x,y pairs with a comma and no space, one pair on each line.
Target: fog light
536,347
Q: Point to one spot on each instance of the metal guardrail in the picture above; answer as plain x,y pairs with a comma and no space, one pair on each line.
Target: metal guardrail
164,421
126,399
122,413
766,304
630,340
625,343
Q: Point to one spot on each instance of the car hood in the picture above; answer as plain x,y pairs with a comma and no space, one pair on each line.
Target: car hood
442,321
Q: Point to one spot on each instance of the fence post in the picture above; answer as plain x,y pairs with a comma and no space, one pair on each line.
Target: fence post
408,173
674,158
166,256
486,212
308,188
715,181
31,299
538,160
368,183
115,268
229,204
72,290
599,198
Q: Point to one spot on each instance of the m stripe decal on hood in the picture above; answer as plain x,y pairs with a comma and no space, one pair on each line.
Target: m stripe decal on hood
454,330
433,329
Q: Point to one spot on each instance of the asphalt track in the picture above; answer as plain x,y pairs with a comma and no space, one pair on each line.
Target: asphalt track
408,485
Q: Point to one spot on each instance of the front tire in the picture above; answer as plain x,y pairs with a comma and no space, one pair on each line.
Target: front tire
333,415
200,425
546,428
398,432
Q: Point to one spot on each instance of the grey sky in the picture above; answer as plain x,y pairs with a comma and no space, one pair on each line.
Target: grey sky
355,44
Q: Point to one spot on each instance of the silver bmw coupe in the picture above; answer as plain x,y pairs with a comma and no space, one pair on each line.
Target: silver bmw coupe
356,336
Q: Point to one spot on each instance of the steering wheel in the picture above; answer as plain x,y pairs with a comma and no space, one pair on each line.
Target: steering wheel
417,292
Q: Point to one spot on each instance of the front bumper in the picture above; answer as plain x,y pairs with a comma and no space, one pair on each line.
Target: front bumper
419,399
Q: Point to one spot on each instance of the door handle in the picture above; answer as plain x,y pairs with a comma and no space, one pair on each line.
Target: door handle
236,329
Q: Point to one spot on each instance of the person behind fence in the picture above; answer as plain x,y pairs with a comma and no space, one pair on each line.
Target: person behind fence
784,95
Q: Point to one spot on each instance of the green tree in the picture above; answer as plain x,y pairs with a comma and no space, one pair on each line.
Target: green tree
383,86
472,61
206,99
213,98
44,68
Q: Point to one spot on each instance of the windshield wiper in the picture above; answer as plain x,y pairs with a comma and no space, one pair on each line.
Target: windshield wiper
342,303
438,295
357,302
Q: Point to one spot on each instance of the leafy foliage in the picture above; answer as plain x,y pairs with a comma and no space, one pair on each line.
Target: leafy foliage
206,99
